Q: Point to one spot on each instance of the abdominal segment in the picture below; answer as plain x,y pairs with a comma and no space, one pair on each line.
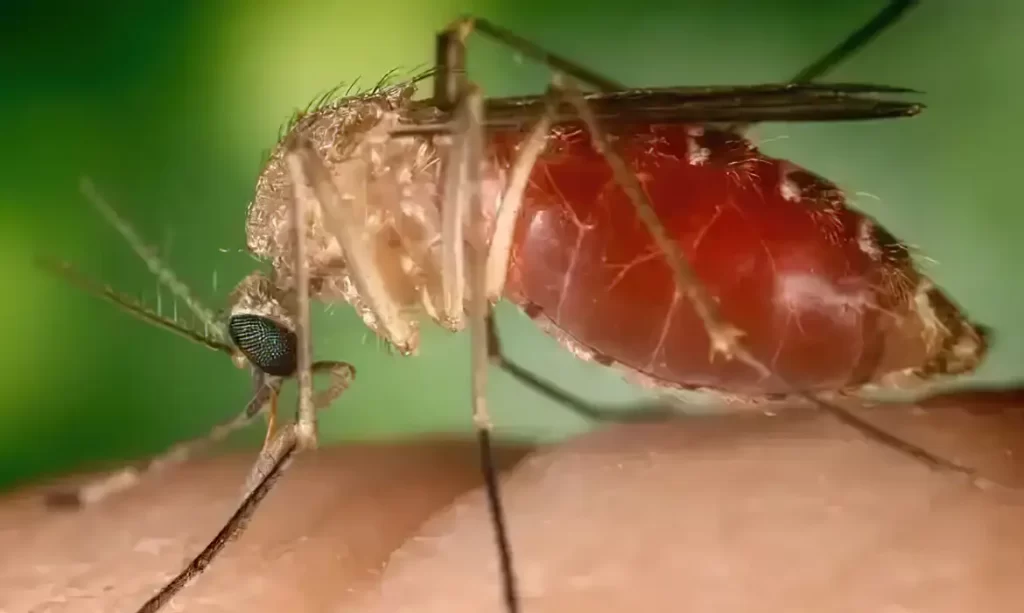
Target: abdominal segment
827,299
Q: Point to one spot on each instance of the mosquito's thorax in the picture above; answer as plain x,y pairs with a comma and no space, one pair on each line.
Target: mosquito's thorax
391,190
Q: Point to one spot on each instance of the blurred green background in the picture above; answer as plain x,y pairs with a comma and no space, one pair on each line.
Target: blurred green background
170,106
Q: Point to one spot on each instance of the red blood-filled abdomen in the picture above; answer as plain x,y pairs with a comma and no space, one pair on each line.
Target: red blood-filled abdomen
825,296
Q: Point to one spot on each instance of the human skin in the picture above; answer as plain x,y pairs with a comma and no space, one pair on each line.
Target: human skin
795,512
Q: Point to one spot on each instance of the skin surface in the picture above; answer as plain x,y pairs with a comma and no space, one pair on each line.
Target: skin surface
741,513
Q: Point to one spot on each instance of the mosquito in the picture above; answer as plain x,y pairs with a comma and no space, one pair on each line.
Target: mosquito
724,270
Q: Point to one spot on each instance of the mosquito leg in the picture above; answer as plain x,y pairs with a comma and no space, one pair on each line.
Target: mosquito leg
267,390
341,375
126,478
856,41
879,435
306,418
453,221
471,119
641,413
479,311
860,38
451,69
462,199
500,249
300,161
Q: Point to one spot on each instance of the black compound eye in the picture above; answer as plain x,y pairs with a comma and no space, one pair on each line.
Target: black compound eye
265,343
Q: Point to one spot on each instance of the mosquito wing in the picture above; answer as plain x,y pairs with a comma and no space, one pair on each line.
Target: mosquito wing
720,104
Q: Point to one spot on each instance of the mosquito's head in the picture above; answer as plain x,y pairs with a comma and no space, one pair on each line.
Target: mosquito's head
261,328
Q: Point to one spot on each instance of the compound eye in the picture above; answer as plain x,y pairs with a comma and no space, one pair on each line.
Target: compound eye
265,343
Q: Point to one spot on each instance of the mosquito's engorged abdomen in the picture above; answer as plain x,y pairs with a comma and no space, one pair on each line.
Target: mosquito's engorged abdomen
827,299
